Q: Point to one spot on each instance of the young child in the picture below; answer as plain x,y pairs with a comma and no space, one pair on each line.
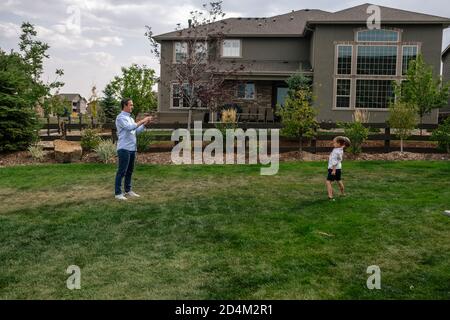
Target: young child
335,165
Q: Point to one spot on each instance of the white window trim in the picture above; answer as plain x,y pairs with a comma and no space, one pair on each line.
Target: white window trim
231,57
181,102
336,60
246,99
398,31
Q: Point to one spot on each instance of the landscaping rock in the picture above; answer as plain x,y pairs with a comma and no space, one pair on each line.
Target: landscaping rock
67,151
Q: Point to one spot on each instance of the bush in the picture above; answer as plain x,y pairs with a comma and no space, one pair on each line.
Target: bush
106,151
90,139
357,133
18,128
36,152
442,135
144,139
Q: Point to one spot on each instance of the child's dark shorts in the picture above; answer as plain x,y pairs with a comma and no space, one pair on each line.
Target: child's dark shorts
337,177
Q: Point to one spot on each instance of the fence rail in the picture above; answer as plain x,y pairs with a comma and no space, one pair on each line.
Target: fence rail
59,131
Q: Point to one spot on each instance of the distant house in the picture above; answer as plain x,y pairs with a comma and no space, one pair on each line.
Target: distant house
352,67
445,112
77,102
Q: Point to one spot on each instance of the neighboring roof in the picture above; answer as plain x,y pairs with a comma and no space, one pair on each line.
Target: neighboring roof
70,96
446,51
294,24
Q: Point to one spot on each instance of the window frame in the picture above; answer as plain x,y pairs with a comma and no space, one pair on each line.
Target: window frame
335,107
371,79
417,46
230,57
171,97
397,31
205,43
376,75
336,67
245,98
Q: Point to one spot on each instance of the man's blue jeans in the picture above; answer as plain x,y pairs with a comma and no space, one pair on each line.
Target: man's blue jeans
126,167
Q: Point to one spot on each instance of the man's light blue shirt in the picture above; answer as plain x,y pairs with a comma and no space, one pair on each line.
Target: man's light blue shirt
127,130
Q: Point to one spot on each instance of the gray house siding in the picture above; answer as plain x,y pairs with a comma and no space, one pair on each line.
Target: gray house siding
446,77
270,53
430,38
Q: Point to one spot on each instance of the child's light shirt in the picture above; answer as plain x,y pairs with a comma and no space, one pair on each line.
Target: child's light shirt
336,158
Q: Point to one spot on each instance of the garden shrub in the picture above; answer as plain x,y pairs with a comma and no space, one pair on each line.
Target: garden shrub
357,133
90,139
106,151
442,135
36,152
144,139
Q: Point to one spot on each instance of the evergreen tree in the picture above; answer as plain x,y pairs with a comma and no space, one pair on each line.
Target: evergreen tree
109,104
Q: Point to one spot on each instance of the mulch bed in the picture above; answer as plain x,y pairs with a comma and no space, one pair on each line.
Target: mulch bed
24,158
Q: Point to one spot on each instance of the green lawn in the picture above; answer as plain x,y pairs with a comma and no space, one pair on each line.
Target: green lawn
225,232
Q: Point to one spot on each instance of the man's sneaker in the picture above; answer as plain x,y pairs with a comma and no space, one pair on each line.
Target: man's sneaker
120,197
447,212
132,194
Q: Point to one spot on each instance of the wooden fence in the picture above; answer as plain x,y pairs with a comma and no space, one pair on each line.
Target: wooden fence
62,130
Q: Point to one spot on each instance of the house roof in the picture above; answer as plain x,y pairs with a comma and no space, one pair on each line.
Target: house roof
282,68
294,24
70,96
389,15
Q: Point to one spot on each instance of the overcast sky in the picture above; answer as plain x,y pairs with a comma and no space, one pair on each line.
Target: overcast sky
111,32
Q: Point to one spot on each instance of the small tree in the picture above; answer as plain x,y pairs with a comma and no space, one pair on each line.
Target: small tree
402,118
356,131
199,74
421,88
109,104
442,135
298,116
136,83
298,82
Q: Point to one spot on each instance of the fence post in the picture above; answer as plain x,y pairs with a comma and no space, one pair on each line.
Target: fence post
81,123
59,125
70,121
48,126
314,145
92,121
387,141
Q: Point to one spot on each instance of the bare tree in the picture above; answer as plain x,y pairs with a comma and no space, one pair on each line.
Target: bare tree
199,74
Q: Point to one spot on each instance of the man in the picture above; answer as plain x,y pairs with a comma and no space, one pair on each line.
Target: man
127,129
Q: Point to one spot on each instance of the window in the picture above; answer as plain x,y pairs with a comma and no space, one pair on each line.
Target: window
409,54
377,35
374,94
377,60
231,48
201,51
343,87
179,97
344,59
181,51
246,91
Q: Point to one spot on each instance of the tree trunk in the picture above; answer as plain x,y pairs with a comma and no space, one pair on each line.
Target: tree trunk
189,120
300,145
421,123
401,145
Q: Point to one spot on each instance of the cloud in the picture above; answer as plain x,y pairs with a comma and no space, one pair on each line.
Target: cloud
9,30
104,59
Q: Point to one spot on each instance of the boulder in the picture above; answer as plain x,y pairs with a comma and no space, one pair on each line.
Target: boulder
67,151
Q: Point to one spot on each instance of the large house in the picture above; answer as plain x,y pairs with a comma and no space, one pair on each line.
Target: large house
77,103
445,112
352,66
